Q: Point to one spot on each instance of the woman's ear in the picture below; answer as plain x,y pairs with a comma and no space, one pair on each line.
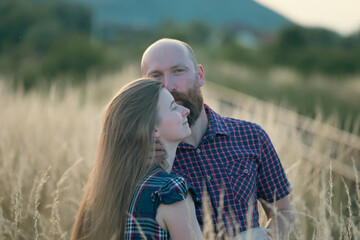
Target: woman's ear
156,133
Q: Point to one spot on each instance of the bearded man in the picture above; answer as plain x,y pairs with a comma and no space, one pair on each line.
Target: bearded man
232,160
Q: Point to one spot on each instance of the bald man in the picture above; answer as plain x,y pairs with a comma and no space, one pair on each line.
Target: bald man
232,160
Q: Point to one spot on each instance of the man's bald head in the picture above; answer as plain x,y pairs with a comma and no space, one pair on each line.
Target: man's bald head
164,44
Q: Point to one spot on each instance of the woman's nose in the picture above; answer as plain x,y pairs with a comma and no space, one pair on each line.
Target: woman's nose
185,111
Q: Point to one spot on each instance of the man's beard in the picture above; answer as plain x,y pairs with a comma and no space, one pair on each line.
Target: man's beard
192,100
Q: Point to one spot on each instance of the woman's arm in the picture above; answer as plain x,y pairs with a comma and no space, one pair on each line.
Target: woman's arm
179,219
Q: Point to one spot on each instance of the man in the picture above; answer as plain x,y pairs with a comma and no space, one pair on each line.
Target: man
233,161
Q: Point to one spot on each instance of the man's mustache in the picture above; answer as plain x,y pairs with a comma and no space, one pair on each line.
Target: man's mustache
179,97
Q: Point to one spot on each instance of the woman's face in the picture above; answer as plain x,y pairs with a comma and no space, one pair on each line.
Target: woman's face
173,124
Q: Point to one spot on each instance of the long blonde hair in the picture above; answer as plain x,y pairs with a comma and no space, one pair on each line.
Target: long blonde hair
126,142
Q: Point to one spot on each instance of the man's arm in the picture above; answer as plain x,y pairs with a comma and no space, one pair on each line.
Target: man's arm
280,217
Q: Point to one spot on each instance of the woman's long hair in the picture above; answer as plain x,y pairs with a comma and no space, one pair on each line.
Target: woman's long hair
123,158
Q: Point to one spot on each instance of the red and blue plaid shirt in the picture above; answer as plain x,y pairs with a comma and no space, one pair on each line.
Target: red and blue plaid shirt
237,164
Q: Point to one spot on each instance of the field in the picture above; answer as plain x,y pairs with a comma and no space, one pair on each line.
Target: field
48,141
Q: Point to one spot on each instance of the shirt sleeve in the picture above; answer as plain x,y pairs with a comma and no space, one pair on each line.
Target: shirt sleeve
272,183
174,190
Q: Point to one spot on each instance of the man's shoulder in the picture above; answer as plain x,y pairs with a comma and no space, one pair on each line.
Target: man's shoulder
237,121
234,124
241,124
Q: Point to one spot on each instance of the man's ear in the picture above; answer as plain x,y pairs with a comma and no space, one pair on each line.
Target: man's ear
201,75
156,132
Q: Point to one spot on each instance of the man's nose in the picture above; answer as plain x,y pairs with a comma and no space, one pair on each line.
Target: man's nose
169,83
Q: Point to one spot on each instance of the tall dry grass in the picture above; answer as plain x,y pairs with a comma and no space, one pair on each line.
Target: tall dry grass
48,142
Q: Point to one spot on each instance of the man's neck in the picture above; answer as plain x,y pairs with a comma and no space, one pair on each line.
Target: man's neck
198,129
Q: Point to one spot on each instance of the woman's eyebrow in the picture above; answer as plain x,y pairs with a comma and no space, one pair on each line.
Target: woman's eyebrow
172,103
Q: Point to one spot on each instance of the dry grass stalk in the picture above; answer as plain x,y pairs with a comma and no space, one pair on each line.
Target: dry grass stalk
37,199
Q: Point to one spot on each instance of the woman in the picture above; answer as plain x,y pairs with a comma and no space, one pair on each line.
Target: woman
129,195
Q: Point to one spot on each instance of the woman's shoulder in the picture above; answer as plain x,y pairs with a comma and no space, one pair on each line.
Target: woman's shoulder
158,177
165,182
174,188
170,178
155,184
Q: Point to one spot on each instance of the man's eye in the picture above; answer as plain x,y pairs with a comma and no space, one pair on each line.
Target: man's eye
179,70
155,76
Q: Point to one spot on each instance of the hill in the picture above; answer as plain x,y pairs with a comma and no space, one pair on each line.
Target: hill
148,14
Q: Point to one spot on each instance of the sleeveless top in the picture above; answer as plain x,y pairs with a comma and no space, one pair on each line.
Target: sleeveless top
157,187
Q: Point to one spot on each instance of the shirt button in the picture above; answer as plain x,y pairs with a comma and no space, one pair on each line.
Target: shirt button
208,177
198,150
246,171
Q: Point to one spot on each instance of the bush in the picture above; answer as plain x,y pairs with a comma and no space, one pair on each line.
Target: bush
41,39
74,57
316,51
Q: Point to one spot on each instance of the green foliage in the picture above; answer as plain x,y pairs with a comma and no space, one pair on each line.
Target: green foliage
15,20
22,18
74,56
44,40
316,51
127,44
74,18
42,36
227,45
194,33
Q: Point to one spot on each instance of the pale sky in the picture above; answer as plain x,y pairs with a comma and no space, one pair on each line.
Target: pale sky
342,16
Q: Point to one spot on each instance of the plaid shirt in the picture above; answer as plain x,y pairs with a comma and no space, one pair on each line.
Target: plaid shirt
237,164
157,187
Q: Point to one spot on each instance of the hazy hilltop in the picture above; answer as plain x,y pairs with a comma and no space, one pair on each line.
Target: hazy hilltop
148,14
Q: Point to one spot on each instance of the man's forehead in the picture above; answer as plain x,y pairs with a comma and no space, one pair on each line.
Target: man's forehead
167,44
161,58
166,50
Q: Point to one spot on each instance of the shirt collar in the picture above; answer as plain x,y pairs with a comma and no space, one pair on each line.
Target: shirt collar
217,124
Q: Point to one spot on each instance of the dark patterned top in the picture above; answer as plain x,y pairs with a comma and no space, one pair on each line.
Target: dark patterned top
158,187
237,164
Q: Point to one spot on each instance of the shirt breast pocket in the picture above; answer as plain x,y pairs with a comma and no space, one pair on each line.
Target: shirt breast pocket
242,178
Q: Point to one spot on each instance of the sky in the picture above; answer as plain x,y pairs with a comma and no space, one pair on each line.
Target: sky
342,16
